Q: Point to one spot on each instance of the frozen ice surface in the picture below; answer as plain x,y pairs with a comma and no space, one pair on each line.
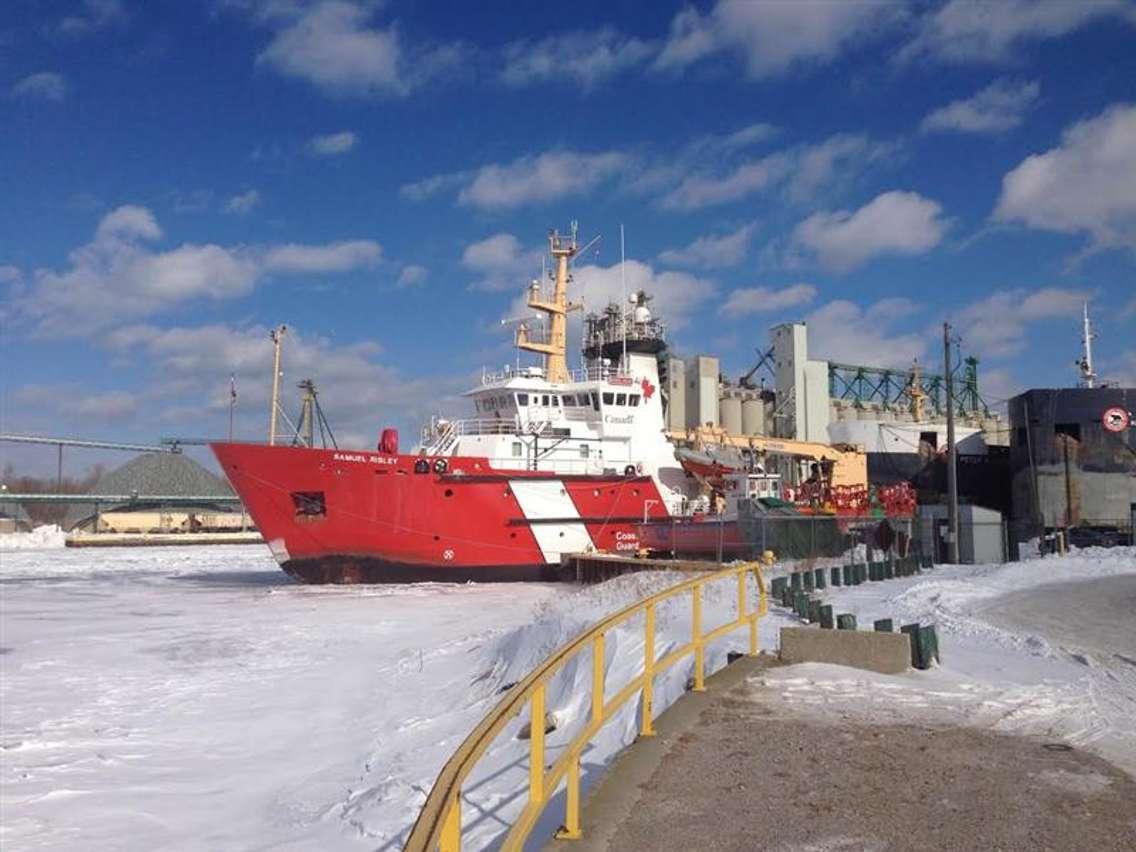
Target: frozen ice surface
195,698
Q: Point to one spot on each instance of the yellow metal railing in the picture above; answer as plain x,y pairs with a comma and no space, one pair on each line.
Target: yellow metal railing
439,823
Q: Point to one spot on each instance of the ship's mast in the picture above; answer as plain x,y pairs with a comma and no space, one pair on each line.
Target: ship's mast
555,346
1088,377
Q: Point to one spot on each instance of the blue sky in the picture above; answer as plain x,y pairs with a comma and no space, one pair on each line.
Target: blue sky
176,178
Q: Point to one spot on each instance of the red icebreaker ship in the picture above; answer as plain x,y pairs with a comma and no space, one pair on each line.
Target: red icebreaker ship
551,462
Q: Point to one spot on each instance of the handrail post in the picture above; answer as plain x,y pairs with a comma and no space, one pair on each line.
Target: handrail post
647,725
571,828
450,841
696,639
536,745
598,678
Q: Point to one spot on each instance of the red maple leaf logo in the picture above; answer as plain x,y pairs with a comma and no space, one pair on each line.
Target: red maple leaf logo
648,389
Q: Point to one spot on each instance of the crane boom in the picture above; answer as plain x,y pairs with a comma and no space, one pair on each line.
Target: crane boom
849,462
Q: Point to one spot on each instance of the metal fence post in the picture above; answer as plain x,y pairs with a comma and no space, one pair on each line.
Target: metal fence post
598,678
646,725
536,745
571,828
696,638
450,840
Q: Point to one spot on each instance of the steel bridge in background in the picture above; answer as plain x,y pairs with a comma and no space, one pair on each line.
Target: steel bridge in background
892,389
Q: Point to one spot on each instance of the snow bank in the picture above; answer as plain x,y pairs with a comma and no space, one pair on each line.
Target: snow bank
45,537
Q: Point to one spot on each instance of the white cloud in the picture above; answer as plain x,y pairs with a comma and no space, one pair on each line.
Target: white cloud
996,326
333,44
1086,184
757,300
802,172
903,223
697,191
676,295
427,187
189,367
10,274
968,31
119,276
774,37
95,15
583,57
334,257
711,252
551,175
999,107
73,400
43,85
333,143
243,203
502,263
526,180
411,275
842,331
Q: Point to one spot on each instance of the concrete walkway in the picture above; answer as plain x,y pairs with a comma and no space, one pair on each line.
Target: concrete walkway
729,770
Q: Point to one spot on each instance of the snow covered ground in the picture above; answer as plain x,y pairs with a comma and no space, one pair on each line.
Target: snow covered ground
195,698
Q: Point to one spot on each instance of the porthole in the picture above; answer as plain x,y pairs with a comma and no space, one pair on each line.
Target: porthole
449,492
437,538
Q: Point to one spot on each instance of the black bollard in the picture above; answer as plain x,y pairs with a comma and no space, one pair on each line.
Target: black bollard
826,618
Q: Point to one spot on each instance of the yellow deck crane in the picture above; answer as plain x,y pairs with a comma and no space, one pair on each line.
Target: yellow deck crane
839,465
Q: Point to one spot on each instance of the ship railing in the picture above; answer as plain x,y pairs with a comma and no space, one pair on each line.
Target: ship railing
597,373
439,824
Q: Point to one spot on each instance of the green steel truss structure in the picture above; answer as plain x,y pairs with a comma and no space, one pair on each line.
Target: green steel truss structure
890,389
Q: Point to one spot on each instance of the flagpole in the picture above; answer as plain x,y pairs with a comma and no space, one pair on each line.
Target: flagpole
232,402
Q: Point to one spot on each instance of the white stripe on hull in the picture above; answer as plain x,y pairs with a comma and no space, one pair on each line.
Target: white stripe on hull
550,499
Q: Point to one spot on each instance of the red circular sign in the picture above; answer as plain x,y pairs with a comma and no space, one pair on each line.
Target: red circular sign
1115,419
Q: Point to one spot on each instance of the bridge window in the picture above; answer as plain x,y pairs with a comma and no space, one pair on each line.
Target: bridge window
544,400
522,399
518,449
621,399
633,400
584,450
555,399
608,398
595,401
569,399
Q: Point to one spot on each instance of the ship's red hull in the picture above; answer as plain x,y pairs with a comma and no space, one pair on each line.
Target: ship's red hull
334,516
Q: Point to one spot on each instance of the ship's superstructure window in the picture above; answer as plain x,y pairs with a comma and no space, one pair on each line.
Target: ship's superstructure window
608,398
522,399
595,401
569,400
544,400
518,449
621,399
584,451
633,400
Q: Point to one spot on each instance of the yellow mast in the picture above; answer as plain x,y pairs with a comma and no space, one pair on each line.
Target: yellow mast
555,347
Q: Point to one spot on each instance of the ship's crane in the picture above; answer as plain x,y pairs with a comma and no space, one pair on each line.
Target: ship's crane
839,464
